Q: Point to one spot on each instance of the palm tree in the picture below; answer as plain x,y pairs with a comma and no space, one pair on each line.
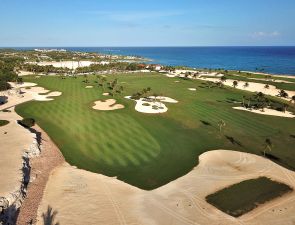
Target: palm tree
223,78
243,100
285,107
221,124
267,145
235,84
283,94
246,85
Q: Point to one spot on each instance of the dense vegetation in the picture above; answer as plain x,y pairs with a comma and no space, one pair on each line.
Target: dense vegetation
255,192
151,150
7,73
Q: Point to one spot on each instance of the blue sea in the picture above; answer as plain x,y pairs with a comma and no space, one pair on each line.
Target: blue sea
275,60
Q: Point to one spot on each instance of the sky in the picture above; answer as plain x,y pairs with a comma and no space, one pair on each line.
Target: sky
71,23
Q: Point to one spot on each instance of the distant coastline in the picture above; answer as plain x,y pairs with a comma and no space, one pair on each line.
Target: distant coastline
277,60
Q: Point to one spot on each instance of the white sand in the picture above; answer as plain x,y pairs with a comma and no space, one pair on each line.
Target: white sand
164,99
107,105
19,94
267,111
70,64
152,105
25,73
89,87
192,89
81,197
106,94
253,87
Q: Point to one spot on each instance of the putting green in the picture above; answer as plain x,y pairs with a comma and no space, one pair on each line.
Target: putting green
151,150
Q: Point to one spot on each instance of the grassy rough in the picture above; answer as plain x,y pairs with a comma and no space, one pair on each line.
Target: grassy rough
238,199
151,150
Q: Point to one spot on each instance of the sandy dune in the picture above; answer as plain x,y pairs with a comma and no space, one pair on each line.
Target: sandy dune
81,197
107,105
266,111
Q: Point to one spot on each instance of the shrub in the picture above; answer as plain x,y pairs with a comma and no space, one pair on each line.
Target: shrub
146,104
3,122
27,122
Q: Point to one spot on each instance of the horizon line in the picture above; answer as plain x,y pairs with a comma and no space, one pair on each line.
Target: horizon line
156,46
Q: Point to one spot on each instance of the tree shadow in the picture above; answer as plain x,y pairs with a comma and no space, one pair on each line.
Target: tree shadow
205,123
49,217
9,215
233,141
292,135
271,157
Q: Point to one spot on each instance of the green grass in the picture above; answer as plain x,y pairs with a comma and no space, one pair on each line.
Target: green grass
149,151
245,196
3,122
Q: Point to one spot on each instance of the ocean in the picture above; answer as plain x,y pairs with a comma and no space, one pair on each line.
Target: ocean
274,60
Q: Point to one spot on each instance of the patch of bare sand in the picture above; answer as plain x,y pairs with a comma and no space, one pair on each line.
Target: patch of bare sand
107,105
81,197
267,111
88,87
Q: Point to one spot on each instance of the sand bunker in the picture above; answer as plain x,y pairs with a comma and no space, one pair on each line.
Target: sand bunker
106,94
89,87
47,96
77,195
266,111
107,105
152,104
26,92
192,89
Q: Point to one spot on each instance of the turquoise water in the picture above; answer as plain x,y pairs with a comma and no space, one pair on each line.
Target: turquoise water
277,60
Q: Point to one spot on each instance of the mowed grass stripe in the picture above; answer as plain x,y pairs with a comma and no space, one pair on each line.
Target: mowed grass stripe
151,150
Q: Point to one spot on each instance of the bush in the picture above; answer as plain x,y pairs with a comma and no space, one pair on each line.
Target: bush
26,122
3,122
146,104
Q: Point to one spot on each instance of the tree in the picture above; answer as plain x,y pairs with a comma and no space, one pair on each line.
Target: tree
221,124
223,79
243,100
266,86
235,84
293,98
283,94
267,145
246,85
